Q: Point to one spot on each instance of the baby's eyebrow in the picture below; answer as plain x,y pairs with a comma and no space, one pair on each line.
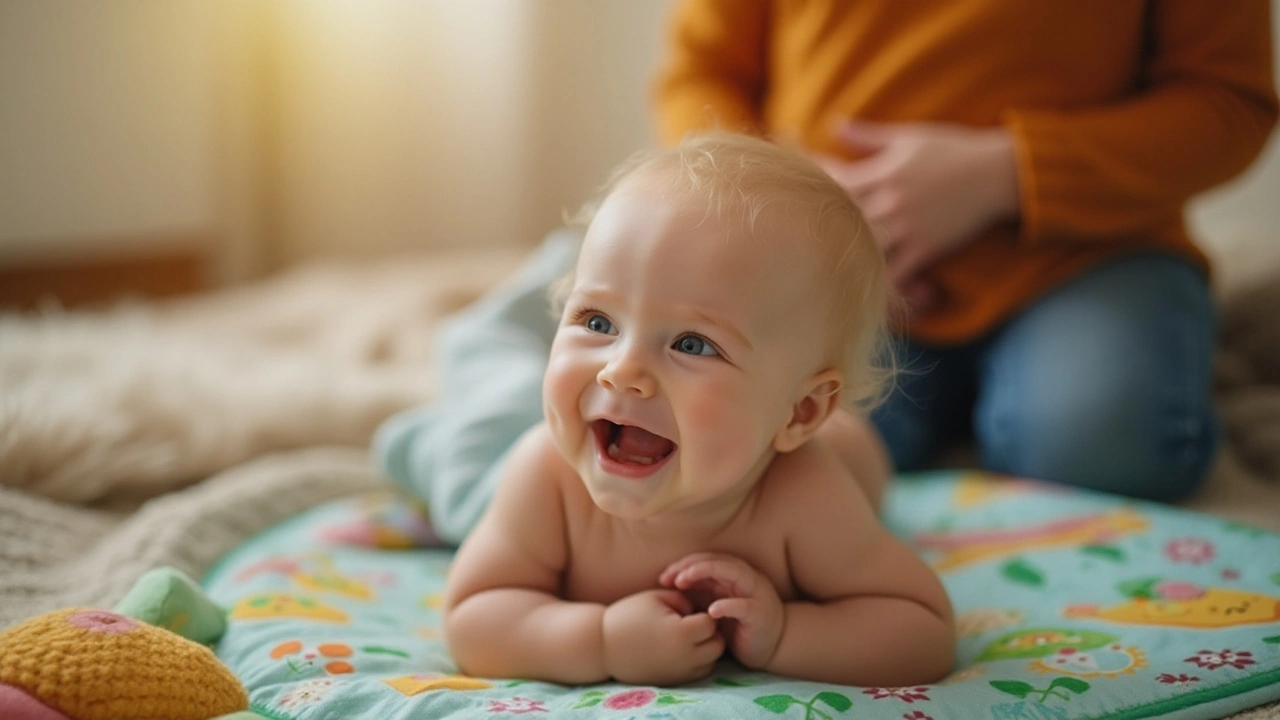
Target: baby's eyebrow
723,324
593,295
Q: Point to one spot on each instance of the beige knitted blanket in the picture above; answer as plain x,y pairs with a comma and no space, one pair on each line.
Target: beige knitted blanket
168,433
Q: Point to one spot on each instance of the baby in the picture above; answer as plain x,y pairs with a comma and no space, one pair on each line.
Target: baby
696,487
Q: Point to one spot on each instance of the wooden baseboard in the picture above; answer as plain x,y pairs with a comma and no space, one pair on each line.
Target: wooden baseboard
76,283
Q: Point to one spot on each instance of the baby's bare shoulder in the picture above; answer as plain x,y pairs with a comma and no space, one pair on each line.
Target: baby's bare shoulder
812,479
535,460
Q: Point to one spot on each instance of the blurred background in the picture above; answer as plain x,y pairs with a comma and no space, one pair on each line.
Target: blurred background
166,146
169,145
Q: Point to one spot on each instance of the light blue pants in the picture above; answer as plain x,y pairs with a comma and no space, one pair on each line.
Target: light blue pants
1104,384
491,357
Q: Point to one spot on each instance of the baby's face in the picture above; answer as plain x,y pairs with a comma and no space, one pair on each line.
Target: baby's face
681,352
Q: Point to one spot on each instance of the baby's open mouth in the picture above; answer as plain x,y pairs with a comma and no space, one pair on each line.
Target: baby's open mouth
630,444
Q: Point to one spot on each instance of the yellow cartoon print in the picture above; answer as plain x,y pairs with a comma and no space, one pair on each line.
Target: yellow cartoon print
975,488
329,581
274,606
1111,661
410,685
1171,603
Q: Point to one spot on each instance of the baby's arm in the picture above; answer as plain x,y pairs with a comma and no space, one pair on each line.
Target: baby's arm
876,615
501,615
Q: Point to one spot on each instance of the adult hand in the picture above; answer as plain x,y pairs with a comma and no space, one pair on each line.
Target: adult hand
654,637
743,597
926,188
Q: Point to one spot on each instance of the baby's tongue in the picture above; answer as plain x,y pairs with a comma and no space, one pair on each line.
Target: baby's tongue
637,443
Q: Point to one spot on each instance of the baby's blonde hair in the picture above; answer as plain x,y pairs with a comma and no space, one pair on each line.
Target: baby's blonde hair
738,178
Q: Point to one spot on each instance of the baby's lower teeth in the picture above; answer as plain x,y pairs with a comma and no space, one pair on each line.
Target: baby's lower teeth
616,453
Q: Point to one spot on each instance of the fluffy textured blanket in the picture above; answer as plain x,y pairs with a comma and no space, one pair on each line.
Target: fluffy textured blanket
167,433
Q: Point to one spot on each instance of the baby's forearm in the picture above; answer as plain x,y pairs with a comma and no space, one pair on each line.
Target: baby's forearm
519,633
870,641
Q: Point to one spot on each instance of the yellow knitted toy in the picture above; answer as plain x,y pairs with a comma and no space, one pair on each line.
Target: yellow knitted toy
89,664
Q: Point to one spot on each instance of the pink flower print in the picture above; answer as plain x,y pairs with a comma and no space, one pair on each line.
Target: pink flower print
630,699
916,715
516,706
905,694
1179,679
1189,550
1177,590
102,621
1214,660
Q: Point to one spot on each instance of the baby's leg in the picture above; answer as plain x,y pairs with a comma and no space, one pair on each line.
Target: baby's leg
492,356
859,447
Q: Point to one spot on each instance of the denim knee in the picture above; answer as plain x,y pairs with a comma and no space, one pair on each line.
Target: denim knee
1126,445
1106,383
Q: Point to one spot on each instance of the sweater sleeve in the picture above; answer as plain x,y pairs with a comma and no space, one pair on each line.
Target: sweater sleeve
1205,110
714,72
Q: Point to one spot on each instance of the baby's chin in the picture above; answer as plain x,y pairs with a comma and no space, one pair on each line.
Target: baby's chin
621,505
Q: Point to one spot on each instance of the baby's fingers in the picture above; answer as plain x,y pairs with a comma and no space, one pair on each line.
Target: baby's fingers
707,652
668,576
699,627
708,643
730,575
737,608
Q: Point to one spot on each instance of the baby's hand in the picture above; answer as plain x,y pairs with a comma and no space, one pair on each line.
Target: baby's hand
744,598
655,638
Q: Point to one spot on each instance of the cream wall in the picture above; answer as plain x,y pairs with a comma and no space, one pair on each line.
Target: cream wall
291,129
106,123
403,124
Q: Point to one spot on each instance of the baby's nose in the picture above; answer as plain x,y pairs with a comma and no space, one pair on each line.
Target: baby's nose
627,374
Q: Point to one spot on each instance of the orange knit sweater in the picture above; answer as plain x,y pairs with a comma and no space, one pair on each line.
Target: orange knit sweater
1120,111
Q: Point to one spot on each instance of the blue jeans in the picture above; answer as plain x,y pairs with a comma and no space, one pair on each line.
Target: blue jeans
1104,383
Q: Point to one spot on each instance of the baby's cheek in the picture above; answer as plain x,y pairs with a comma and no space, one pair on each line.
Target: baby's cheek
719,417
558,384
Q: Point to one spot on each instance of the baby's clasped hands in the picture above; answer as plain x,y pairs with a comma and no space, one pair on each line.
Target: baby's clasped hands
742,600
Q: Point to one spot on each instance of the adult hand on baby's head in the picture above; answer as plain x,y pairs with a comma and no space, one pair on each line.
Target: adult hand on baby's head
654,637
744,600
926,189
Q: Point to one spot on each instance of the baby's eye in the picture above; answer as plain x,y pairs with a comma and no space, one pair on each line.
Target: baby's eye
694,345
599,324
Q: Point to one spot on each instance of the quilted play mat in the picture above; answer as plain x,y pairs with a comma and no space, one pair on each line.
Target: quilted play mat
1070,605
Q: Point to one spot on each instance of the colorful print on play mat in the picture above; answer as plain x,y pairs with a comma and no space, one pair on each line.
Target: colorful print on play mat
1069,606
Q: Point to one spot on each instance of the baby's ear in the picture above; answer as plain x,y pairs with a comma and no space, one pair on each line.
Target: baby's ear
820,399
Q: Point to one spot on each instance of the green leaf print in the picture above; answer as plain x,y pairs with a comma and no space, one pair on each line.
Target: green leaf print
1275,578
1019,571
1107,552
780,703
1021,689
379,650
776,703
1274,640
670,698
1248,530
835,701
1017,688
1075,685
588,699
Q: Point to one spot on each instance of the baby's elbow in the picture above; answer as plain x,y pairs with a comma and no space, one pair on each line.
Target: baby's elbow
939,663
465,637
